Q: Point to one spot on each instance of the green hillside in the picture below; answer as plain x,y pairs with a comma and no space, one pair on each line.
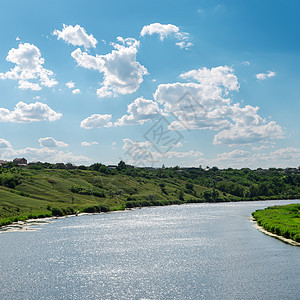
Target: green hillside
44,190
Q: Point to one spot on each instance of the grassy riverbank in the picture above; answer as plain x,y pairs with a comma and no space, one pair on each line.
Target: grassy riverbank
281,220
43,190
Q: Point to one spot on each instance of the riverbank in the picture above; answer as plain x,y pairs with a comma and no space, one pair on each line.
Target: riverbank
23,223
48,192
282,222
27,193
30,224
281,238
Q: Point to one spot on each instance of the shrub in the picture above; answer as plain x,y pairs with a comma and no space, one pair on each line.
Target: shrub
56,212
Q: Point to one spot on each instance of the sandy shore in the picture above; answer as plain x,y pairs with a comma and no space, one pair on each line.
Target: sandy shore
279,237
32,224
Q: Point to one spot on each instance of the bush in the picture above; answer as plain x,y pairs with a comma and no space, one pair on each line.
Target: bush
56,212
96,209
84,190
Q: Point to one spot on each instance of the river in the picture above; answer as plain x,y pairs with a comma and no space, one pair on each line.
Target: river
195,251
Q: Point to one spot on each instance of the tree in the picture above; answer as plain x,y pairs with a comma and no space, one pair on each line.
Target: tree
215,195
207,195
121,165
189,186
95,166
104,169
181,196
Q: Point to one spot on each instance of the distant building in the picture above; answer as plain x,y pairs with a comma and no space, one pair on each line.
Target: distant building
20,161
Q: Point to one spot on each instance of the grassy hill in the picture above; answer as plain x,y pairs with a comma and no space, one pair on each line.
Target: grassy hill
42,190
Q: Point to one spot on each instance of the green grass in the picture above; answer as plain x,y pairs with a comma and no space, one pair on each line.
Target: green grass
48,192
282,220
31,193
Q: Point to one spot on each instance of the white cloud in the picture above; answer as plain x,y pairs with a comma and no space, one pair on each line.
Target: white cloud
248,127
138,153
205,105
141,153
28,66
76,36
87,144
219,77
262,147
32,112
289,154
4,144
96,121
166,30
76,92
70,84
176,154
246,63
50,142
264,76
45,155
178,145
280,158
195,106
234,155
26,85
122,74
129,144
139,112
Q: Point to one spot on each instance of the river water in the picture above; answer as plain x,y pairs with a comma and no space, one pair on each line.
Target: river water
195,251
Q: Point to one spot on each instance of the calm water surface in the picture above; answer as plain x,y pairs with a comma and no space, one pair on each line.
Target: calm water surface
197,251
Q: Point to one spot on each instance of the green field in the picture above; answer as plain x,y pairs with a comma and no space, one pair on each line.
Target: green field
44,190
282,220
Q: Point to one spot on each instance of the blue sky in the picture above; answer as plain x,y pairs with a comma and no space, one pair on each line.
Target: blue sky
189,83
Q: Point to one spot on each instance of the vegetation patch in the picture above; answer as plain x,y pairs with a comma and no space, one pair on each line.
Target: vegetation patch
45,189
281,220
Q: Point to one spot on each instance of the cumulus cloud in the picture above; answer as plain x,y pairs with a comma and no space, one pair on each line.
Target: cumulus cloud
221,77
76,36
195,106
4,144
139,112
70,84
177,154
26,85
122,74
28,66
76,92
142,154
96,121
87,144
234,155
138,153
166,30
32,112
280,158
264,76
205,105
50,142
286,154
45,154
